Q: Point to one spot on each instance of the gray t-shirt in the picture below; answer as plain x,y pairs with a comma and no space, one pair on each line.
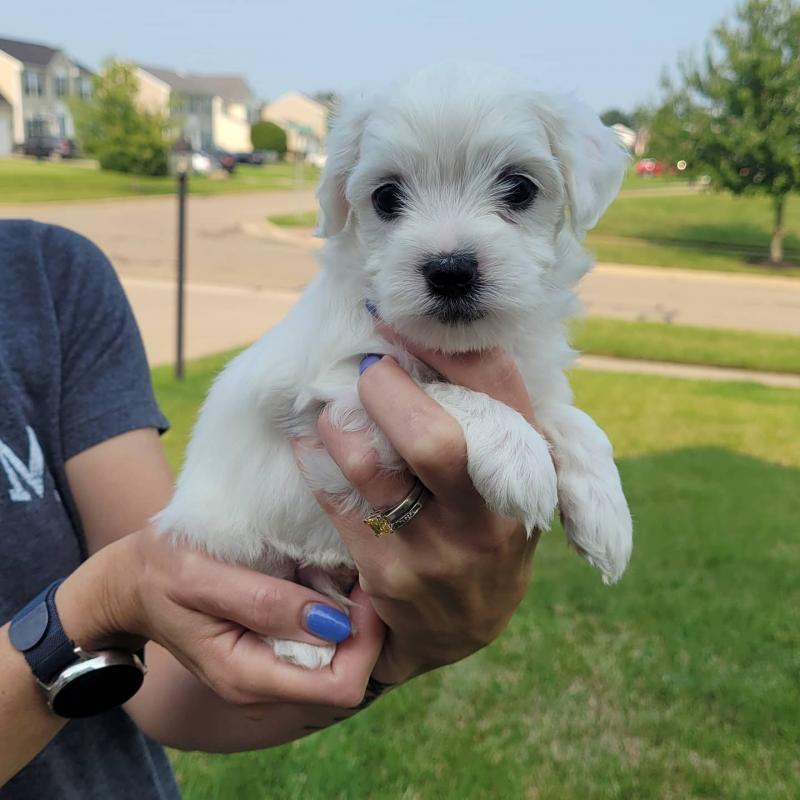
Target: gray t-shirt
73,373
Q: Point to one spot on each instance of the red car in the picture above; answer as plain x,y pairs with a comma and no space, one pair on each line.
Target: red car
649,166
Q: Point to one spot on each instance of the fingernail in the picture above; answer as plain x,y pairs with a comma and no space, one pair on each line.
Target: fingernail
368,361
372,309
328,623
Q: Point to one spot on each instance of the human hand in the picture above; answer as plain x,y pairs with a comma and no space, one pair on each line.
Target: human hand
211,617
449,581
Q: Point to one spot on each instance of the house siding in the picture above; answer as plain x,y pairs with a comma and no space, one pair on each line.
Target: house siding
197,109
48,112
153,94
304,120
51,110
231,128
11,89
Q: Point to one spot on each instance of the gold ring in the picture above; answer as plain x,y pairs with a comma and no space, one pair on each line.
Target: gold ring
392,519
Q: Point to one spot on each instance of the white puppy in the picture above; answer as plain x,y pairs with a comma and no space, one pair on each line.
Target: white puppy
455,204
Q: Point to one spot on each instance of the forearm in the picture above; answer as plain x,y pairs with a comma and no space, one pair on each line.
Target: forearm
175,709
26,723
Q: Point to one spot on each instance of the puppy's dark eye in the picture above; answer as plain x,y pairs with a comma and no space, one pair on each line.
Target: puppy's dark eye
518,192
388,200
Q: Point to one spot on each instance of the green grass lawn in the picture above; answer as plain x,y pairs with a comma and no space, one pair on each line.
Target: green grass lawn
681,682
656,223
305,219
703,230
686,344
27,180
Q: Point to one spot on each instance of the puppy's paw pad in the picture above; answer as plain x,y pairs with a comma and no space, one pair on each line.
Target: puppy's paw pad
598,523
310,656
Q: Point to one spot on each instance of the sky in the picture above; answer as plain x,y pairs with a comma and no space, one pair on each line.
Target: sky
609,52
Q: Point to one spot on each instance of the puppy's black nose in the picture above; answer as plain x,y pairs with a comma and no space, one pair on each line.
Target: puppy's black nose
451,274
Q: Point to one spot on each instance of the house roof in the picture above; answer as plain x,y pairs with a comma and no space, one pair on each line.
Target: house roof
28,52
307,99
233,88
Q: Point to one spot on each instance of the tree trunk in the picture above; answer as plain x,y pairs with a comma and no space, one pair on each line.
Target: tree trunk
776,244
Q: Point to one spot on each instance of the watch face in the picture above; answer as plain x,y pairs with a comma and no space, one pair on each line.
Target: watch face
97,690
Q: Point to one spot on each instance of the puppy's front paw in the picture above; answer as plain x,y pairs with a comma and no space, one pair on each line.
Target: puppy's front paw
597,520
508,461
310,656
516,477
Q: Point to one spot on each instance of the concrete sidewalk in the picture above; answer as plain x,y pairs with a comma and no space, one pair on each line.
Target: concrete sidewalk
217,317
689,371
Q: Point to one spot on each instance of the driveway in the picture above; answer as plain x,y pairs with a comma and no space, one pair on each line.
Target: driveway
243,276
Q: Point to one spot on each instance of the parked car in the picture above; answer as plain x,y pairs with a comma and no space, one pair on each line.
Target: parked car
66,148
226,160
202,163
649,166
39,146
48,146
255,158
316,159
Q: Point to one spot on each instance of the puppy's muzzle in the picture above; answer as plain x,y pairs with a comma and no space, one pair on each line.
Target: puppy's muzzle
451,275
453,283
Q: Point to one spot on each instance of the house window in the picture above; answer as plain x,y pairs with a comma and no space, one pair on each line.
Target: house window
62,126
177,103
37,126
84,87
62,85
199,104
33,83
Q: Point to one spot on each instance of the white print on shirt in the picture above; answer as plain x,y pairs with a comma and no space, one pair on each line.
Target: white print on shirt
18,473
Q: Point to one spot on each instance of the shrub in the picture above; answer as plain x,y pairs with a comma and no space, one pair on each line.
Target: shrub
268,136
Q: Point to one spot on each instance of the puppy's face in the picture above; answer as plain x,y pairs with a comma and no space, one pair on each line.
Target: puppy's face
457,195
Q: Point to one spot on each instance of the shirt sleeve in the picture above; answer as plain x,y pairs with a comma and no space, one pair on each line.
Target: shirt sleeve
105,379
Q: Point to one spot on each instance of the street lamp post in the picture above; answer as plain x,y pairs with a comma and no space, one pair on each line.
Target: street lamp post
182,155
181,272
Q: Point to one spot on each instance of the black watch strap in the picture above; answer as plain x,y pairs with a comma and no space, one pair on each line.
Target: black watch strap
37,633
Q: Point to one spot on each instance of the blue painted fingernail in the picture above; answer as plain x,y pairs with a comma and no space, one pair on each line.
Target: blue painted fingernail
368,361
328,623
372,309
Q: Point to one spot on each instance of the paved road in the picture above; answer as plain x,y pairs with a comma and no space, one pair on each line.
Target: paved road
244,276
139,236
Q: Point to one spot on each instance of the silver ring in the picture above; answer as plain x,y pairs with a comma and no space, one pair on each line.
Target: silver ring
391,520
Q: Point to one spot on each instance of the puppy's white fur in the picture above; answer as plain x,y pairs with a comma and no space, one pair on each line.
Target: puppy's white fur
447,135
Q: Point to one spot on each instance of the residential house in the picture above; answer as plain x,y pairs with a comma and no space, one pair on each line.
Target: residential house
36,83
209,111
305,121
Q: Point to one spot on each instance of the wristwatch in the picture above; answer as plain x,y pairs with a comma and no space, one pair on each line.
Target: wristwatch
76,682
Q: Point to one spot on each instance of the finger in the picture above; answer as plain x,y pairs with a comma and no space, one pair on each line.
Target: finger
253,673
261,603
492,372
359,462
427,438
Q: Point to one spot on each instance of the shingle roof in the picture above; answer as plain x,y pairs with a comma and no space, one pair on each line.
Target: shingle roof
229,87
28,52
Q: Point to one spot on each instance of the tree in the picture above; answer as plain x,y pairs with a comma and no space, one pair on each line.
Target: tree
738,111
111,127
327,98
613,116
268,136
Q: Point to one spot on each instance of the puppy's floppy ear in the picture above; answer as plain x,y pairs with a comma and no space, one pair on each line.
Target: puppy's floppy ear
593,160
343,145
